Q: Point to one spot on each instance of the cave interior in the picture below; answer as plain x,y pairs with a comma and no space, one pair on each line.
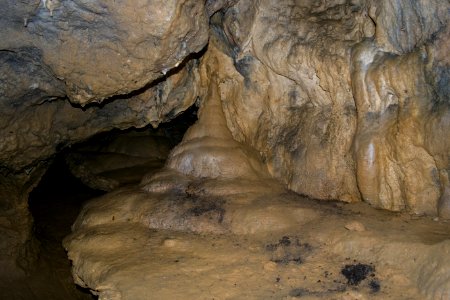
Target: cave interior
225,149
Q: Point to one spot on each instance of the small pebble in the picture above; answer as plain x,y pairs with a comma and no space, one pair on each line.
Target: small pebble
355,226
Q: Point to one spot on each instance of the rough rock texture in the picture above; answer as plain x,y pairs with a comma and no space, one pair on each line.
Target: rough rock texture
243,235
101,49
344,99
34,132
138,55
38,126
219,188
402,105
288,75
341,99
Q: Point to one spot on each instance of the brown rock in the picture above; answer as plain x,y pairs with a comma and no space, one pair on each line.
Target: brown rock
444,205
355,226
345,100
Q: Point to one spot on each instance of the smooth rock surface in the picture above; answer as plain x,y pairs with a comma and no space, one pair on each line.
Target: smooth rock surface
258,244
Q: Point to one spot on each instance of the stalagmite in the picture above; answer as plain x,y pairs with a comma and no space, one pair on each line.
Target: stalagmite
318,165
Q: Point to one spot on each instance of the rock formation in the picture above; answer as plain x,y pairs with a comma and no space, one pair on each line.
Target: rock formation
342,103
52,70
336,100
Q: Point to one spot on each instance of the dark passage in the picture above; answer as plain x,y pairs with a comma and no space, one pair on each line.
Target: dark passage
55,204
121,157
80,173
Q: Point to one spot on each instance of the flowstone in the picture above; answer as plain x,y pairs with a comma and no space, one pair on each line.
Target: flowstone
206,227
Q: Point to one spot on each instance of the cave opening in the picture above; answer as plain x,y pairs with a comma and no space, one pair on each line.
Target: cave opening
82,172
55,204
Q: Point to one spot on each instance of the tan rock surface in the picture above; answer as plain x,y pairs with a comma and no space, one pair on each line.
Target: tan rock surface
223,229
340,104
194,245
102,49
336,100
355,226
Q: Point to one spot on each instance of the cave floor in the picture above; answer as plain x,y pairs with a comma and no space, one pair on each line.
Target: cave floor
182,238
135,244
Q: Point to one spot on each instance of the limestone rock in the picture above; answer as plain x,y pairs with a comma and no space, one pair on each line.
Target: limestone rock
402,25
331,100
337,100
36,122
209,150
101,49
280,95
337,109
128,235
84,53
396,168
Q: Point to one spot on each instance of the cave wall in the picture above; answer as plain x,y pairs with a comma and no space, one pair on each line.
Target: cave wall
343,99
138,59
337,99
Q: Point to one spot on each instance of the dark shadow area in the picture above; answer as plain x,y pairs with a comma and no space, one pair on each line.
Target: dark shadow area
55,204
122,155
173,130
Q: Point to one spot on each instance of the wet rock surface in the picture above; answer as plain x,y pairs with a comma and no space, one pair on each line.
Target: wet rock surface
341,103
219,231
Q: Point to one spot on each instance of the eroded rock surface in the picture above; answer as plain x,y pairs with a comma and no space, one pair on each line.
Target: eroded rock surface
194,238
341,103
236,233
101,49
140,56
212,199
337,100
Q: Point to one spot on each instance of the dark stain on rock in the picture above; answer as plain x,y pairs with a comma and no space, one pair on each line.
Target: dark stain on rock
288,250
204,207
374,286
357,272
